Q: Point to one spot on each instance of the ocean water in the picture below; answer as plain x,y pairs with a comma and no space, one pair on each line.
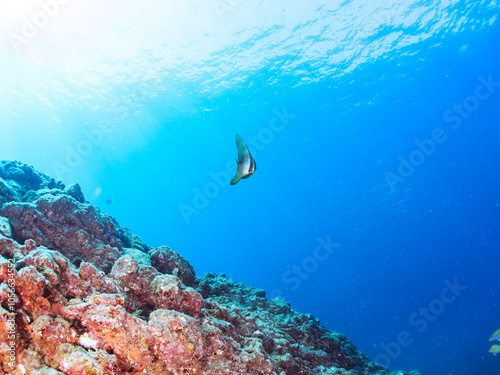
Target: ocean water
374,125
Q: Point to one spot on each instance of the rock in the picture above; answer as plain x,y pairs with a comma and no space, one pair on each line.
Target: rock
30,362
135,279
92,298
5,227
33,195
64,224
50,333
10,248
191,301
75,191
140,257
30,286
29,190
74,360
179,340
8,192
167,291
26,178
129,239
168,261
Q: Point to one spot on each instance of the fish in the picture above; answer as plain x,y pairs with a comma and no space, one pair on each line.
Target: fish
245,162
495,335
495,349
109,201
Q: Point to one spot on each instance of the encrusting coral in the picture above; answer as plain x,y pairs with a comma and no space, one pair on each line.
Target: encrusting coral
82,295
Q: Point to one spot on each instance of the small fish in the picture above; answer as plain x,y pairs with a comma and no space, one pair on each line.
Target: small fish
246,164
109,201
495,349
495,335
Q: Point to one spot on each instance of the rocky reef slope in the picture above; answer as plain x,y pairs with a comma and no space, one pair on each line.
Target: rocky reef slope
81,295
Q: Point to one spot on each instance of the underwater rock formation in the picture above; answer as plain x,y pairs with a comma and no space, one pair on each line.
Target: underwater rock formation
80,294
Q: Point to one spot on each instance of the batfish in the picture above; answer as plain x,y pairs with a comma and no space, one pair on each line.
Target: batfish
246,164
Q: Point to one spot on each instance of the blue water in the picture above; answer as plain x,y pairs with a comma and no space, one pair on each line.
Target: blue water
140,104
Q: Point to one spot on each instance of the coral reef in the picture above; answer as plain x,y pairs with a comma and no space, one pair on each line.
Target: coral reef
82,295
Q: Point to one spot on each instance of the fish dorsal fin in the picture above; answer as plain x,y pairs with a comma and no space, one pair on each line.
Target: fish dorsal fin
243,151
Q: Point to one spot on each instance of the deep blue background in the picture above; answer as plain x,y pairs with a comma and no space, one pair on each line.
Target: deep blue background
322,176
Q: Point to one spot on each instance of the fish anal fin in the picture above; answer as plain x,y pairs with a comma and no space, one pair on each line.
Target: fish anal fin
237,177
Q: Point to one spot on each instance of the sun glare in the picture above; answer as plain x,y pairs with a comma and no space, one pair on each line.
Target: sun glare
18,8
